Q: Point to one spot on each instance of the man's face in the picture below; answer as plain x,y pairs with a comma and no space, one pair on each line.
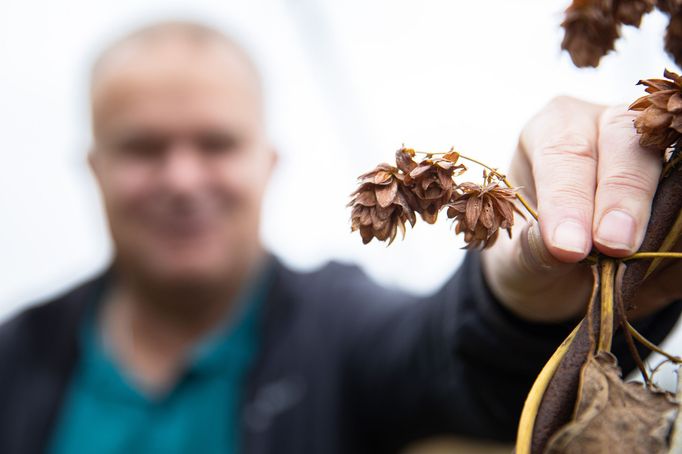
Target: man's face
182,161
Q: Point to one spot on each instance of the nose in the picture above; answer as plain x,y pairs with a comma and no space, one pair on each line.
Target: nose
183,171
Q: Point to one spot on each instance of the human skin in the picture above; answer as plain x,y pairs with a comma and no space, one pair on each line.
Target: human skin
582,166
182,160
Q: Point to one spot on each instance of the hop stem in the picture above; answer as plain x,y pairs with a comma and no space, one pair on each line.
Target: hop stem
495,172
650,255
669,241
608,274
650,345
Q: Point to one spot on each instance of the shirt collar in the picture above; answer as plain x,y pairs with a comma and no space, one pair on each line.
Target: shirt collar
225,350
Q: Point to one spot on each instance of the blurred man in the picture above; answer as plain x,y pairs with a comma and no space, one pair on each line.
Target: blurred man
197,340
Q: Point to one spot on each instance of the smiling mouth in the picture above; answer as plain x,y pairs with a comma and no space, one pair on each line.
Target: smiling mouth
182,226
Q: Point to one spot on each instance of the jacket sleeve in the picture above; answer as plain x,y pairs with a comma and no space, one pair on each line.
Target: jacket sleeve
456,362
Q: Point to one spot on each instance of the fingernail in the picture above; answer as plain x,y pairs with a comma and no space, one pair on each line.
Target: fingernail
617,231
570,236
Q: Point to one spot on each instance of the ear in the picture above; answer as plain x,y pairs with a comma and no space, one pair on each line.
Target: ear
274,159
94,161
271,158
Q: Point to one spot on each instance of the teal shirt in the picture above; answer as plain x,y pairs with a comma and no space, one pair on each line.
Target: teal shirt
104,412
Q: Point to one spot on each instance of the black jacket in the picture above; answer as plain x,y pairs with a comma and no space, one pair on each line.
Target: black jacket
346,366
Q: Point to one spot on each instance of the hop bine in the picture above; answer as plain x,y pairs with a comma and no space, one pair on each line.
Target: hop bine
579,401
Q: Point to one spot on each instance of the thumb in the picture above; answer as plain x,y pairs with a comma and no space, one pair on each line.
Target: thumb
533,255
527,279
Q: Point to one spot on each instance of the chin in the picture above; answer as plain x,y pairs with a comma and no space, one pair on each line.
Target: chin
182,268
171,262
177,270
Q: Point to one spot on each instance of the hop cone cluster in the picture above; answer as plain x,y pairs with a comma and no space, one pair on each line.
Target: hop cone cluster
592,26
660,121
390,196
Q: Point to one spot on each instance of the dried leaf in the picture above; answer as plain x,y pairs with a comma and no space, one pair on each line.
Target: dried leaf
676,435
613,416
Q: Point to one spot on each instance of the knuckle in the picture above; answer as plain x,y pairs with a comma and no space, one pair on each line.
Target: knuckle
567,146
559,102
618,119
628,182
573,106
570,196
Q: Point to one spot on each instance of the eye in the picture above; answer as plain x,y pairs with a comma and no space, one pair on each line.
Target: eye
217,142
142,146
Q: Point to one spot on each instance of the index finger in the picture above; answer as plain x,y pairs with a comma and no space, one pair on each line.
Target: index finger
561,143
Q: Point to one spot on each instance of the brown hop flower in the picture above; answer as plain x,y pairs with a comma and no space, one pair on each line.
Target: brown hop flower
630,12
480,211
381,205
669,6
660,123
673,37
590,31
431,181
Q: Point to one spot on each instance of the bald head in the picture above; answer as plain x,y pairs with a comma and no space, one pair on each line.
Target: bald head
189,36
170,54
180,152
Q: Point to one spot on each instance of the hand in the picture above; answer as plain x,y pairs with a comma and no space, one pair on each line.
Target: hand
581,165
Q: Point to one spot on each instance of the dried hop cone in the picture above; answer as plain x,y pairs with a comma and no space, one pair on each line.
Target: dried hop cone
431,181
673,37
590,31
381,205
660,121
669,6
630,12
480,211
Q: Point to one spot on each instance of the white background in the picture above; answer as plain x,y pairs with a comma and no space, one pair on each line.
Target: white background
348,83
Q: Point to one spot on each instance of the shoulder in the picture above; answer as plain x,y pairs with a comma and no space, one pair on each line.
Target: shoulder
44,326
339,282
